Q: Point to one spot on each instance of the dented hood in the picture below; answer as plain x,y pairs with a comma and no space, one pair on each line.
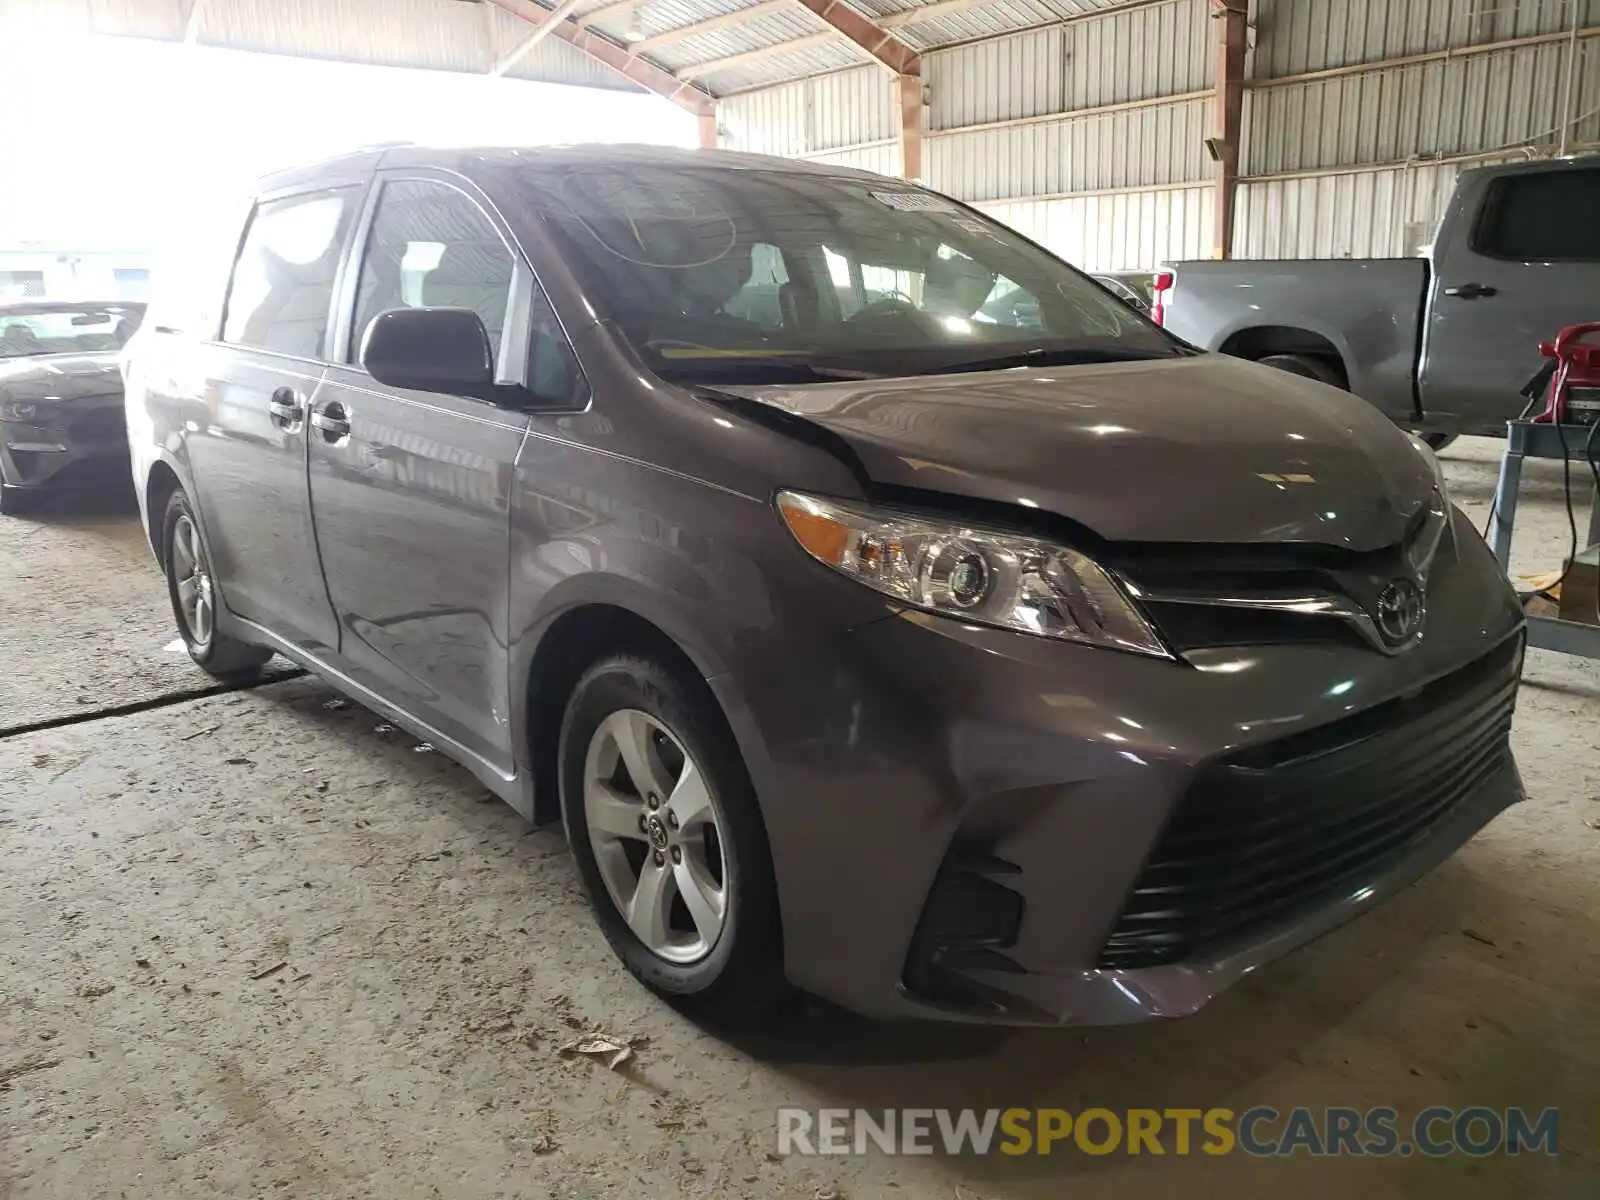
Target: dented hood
1200,449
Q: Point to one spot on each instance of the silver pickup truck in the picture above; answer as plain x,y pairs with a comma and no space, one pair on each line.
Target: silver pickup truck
1442,344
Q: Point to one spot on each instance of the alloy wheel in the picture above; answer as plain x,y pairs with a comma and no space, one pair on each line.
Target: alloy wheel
657,836
191,573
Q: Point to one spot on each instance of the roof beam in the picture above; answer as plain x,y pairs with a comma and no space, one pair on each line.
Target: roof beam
884,48
608,54
536,35
727,62
665,38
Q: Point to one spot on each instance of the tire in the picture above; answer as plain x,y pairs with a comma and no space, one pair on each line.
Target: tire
737,973
187,560
1306,367
17,502
1438,441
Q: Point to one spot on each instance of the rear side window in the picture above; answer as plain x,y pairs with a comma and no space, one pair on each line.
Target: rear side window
1544,216
282,286
432,247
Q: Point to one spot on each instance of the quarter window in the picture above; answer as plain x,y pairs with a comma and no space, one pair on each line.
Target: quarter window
282,285
432,247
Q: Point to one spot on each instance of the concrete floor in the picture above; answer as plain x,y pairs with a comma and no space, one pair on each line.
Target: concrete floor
160,866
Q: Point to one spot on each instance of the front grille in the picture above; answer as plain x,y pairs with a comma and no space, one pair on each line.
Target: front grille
1275,829
101,425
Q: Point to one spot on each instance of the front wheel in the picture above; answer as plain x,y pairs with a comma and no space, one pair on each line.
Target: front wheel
192,588
669,842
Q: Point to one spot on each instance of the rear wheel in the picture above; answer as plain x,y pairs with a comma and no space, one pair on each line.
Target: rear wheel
191,586
663,823
1306,366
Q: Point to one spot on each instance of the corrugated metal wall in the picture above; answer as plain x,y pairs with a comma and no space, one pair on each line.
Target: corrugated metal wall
1018,125
1117,231
1361,164
1347,166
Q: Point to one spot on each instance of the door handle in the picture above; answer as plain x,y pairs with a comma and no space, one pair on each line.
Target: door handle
1470,291
285,409
333,421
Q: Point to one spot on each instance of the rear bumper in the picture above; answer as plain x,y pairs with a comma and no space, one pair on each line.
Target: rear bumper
960,817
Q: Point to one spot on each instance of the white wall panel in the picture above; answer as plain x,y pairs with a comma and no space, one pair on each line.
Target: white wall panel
1389,213
883,157
1293,36
1020,76
1127,149
1465,106
1118,231
1159,51
812,115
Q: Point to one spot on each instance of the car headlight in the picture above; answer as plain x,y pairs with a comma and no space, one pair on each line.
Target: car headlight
18,410
1435,466
982,576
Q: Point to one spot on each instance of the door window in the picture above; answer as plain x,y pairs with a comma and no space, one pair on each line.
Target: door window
432,247
282,284
1543,216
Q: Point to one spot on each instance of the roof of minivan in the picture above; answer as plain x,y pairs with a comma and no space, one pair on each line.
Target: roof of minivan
360,163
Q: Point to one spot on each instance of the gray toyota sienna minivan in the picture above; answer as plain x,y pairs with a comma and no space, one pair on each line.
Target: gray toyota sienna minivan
883,607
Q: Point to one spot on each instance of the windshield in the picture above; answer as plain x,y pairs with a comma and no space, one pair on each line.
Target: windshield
67,330
741,275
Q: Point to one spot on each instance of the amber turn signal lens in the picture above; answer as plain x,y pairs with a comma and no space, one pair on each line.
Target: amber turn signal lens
821,535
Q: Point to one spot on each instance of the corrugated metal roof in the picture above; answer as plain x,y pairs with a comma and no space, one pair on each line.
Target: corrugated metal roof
448,35
768,30
470,35
814,60
986,20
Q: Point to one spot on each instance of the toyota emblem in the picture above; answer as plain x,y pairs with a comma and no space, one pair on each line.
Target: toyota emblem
1399,613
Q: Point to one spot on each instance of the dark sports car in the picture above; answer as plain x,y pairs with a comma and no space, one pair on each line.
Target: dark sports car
61,408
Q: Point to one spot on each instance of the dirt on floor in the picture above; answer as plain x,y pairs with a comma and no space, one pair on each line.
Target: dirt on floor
262,944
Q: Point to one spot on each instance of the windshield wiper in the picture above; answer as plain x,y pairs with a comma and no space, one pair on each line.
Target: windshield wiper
1044,358
742,369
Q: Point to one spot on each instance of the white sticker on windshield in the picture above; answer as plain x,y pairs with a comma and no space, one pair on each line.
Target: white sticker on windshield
972,225
914,202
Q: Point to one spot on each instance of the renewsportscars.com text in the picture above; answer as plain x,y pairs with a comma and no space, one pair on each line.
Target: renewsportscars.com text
1261,1131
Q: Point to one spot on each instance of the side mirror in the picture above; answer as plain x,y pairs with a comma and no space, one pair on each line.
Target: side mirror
430,350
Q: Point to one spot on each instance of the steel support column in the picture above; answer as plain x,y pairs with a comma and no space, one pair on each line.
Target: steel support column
1231,17
908,93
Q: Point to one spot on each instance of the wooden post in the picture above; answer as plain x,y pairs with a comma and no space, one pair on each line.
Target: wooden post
1231,17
